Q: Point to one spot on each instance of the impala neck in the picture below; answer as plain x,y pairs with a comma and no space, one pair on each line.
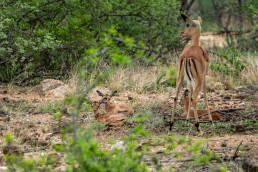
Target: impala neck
196,39
95,112
109,106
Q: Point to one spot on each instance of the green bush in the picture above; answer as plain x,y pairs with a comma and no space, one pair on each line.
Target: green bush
232,64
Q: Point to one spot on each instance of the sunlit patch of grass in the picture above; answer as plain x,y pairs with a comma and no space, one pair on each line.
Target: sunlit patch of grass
248,76
51,107
12,106
136,78
146,116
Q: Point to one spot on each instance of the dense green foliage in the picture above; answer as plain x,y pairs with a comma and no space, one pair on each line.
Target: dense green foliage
49,37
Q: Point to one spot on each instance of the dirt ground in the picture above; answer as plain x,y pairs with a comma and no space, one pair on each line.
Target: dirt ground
23,114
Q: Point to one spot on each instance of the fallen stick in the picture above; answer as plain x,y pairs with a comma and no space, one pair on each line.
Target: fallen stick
235,154
219,111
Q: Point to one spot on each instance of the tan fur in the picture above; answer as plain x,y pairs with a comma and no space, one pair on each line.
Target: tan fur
118,108
192,67
185,102
108,118
112,107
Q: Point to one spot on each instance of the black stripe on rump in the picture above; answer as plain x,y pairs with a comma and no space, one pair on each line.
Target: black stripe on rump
187,71
195,67
190,67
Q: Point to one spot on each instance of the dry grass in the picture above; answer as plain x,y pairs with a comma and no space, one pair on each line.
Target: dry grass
249,76
135,77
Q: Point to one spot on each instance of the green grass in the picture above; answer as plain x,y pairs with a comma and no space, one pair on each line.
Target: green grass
51,107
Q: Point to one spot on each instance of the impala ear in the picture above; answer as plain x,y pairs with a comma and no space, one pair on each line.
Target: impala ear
186,19
100,93
114,94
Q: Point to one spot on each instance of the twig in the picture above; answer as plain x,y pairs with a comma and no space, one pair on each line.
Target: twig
219,111
230,110
185,160
235,154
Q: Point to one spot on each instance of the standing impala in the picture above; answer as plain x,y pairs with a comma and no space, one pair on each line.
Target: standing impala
193,65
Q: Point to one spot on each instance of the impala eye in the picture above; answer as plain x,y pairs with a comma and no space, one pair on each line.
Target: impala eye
187,25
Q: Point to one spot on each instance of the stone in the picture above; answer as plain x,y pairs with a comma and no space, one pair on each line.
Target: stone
52,87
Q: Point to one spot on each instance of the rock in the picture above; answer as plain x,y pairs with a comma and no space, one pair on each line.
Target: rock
60,91
53,87
50,84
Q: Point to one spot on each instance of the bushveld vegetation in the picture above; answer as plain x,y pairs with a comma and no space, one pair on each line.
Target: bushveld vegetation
125,45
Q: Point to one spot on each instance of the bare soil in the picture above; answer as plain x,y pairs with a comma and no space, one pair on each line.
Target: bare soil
34,129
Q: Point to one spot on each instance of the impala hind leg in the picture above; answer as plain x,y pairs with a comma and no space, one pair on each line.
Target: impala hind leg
196,92
178,86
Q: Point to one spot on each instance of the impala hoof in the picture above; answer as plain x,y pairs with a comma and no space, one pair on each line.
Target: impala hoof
171,125
197,127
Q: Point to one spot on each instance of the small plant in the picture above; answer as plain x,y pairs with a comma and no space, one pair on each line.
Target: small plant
7,73
51,107
147,117
232,65
244,147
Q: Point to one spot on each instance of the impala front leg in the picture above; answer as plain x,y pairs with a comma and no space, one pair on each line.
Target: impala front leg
174,107
178,86
179,80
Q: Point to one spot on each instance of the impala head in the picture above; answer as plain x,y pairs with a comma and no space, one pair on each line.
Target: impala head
106,97
193,27
184,101
95,105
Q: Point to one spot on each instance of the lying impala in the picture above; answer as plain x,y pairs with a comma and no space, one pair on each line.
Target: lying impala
185,102
110,106
108,118
193,66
